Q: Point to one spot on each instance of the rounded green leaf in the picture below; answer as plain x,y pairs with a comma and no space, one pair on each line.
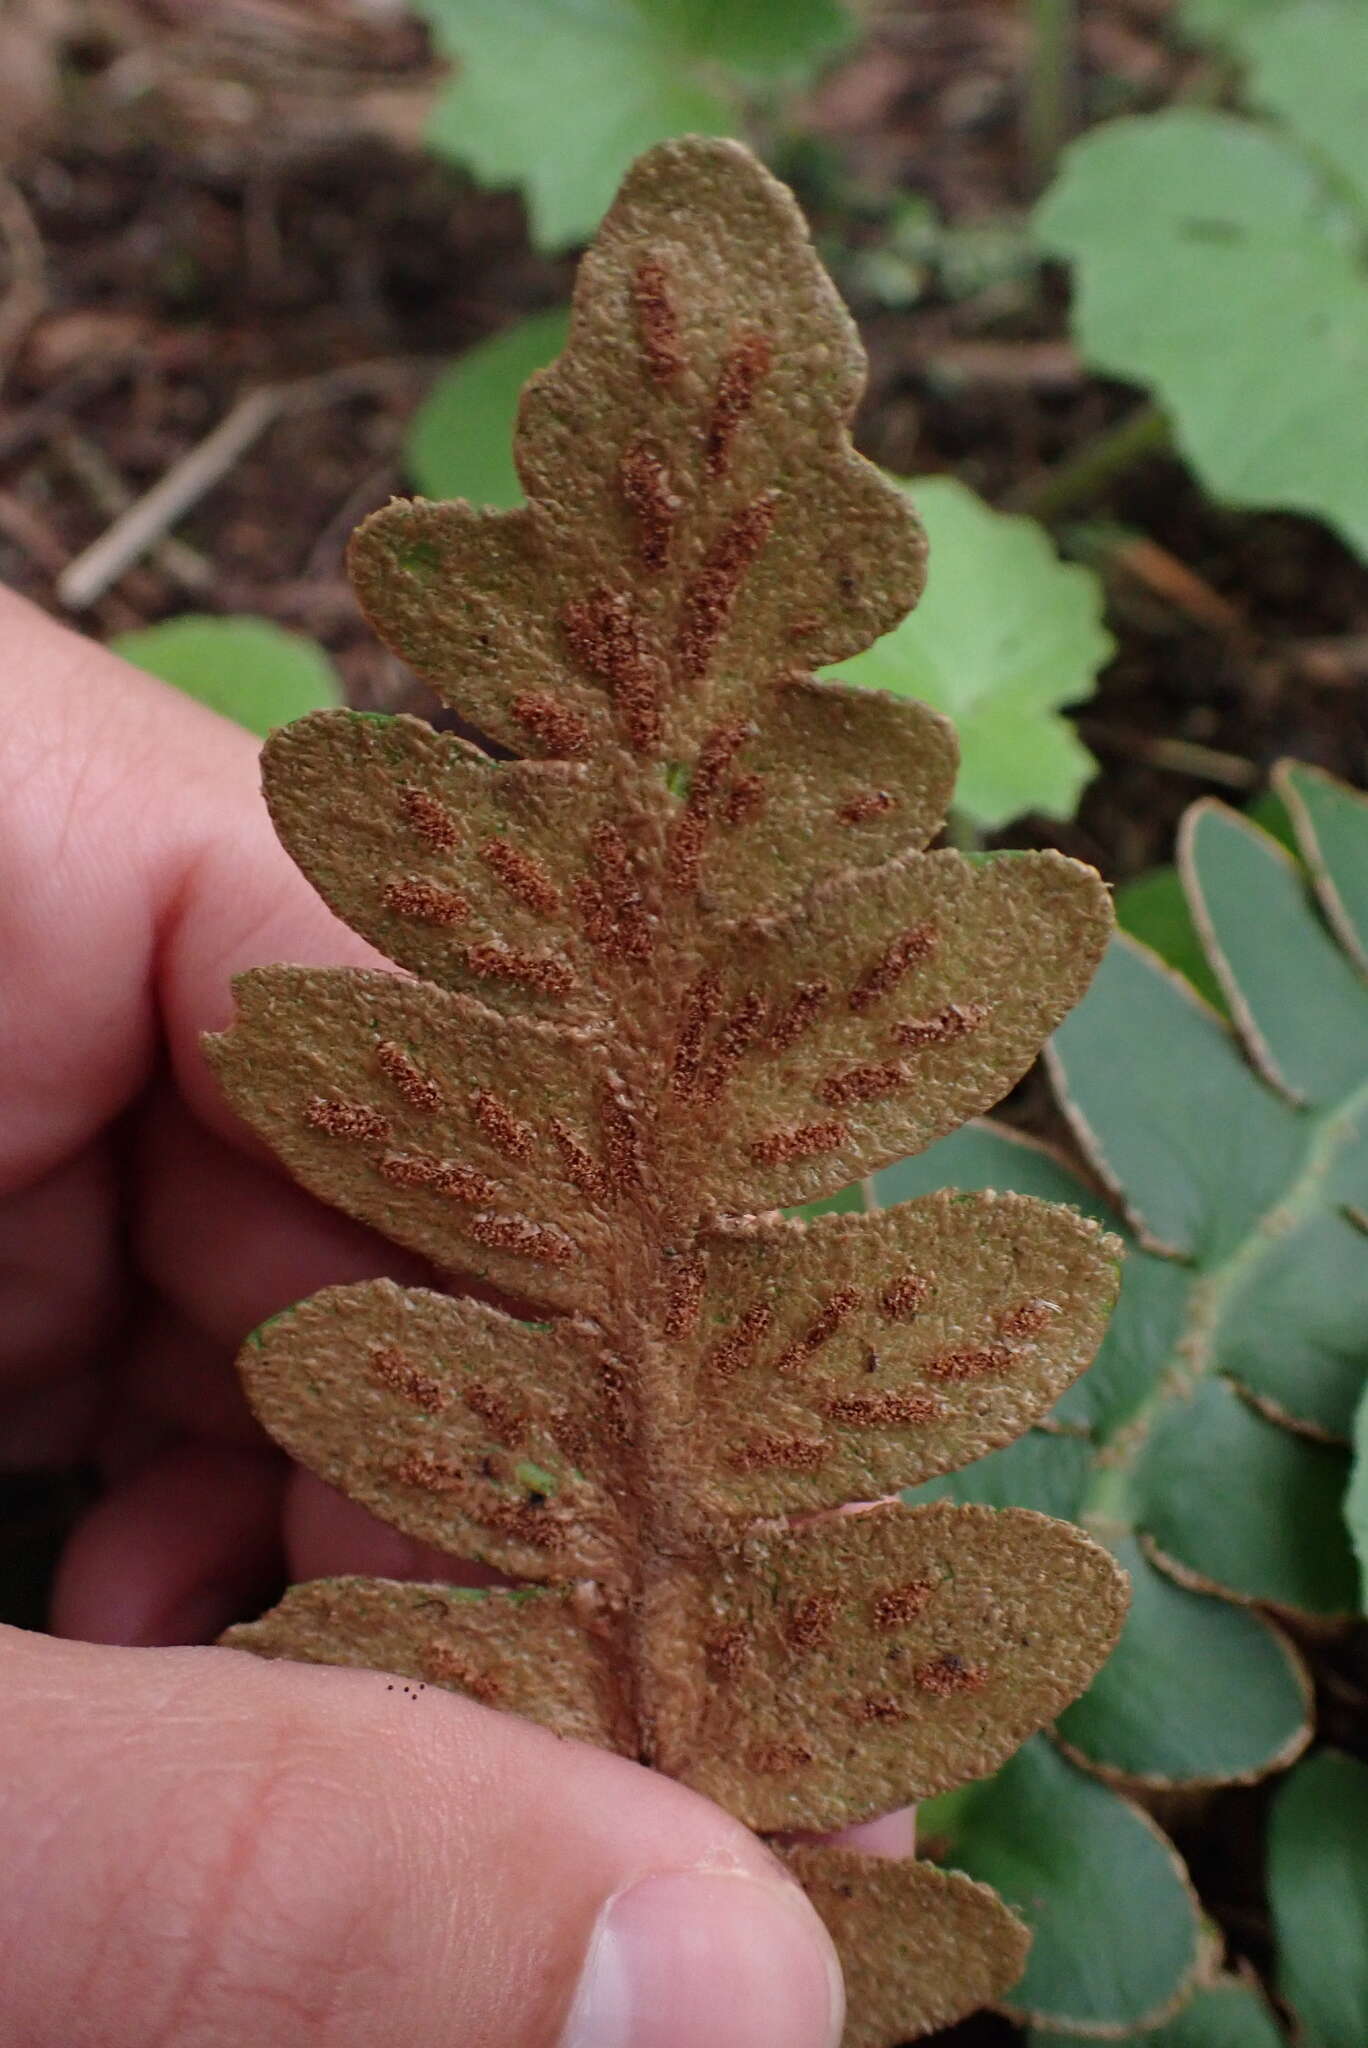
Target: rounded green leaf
1225,2015
1318,1891
1105,1894
248,669
1213,263
1219,21
1158,1093
1331,822
1245,1698
558,96
1154,910
988,1155
1247,1506
460,441
1308,65
1044,1470
1000,668
1299,1004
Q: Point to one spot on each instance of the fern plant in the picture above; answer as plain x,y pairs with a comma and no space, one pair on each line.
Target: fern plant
1207,1446
1000,674
1317,1865
682,961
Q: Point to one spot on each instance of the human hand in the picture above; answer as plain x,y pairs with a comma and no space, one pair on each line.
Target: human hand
205,1850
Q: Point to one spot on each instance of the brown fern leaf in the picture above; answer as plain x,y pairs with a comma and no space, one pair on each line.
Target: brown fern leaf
692,535
687,963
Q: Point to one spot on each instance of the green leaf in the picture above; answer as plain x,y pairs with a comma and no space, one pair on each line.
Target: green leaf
245,668
1088,1872
460,441
1298,1003
1271,1530
558,96
1213,262
1356,1500
1041,1470
1308,66
1225,2015
1245,1698
1001,668
1220,21
1318,1891
1154,910
988,1155
766,40
1157,1089
1331,822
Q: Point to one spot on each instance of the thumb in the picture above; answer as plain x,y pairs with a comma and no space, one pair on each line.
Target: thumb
205,1849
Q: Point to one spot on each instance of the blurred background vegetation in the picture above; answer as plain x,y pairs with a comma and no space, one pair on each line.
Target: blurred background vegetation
264,263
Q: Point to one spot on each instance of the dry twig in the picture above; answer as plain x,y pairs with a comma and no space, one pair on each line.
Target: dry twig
187,481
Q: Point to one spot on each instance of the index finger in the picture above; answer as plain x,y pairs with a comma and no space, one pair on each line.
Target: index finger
138,873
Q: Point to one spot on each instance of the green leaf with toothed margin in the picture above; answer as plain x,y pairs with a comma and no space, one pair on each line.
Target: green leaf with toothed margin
1001,670
1318,1891
1229,2014
1086,1870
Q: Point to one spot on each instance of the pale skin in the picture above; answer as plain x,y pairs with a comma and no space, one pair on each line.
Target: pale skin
202,1848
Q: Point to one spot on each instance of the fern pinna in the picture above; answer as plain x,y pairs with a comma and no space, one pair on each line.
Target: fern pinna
681,961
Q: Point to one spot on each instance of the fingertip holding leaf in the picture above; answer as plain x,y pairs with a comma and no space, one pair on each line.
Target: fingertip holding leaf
682,961
547,1654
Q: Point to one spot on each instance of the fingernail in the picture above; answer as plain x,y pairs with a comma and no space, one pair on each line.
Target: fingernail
705,1959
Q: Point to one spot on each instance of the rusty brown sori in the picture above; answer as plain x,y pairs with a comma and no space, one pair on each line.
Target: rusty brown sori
681,961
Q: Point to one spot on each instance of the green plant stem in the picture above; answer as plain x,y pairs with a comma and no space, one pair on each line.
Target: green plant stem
1089,470
1051,83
